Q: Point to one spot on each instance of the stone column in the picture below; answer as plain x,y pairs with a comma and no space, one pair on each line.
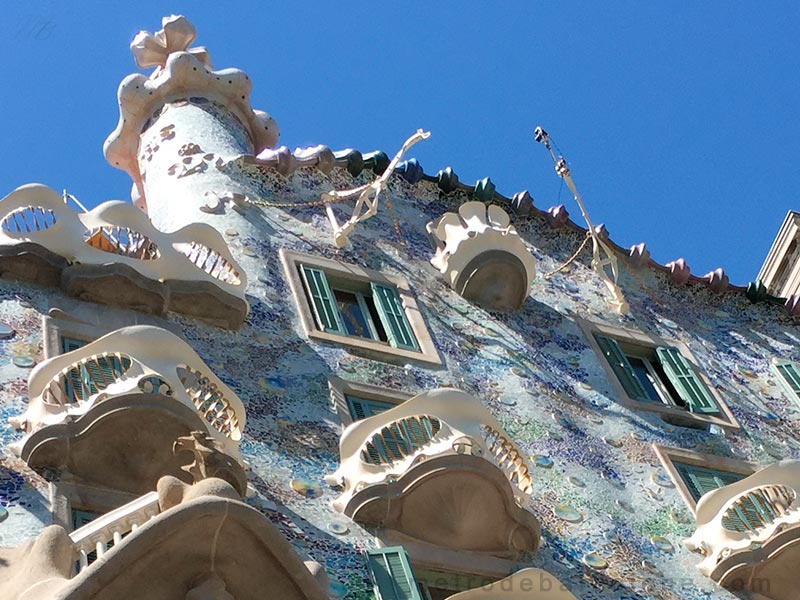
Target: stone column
181,126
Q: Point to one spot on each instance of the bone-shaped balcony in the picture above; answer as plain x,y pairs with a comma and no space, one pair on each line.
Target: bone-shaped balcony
748,532
201,539
113,255
438,470
113,408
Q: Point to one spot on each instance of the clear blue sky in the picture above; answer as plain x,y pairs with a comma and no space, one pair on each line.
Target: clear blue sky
679,120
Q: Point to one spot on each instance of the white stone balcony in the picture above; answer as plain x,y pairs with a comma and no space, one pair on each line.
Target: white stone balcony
438,470
201,539
113,255
135,390
748,531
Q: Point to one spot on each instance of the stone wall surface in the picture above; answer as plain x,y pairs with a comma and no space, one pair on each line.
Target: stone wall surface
532,368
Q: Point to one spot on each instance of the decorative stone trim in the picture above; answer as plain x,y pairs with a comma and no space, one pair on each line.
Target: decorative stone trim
132,362
768,501
114,255
482,257
437,441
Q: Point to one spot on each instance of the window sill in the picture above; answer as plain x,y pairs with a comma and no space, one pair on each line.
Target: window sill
380,350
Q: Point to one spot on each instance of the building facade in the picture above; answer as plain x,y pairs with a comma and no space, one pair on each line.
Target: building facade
320,374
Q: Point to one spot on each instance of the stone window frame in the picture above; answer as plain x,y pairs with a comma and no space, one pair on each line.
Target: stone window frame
669,413
427,353
340,388
669,454
68,494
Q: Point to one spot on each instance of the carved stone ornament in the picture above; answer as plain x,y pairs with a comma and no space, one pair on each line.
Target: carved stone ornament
212,588
210,460
482,257
175,35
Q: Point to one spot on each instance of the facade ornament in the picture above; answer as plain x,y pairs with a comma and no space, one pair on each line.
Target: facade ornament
175,35
717,281
639,255
210,460
558,216
679,271
482,257
604,259
368,195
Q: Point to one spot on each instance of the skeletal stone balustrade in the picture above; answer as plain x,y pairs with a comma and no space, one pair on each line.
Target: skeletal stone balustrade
198,538
129,363
93,539
441,443
114,255
736,522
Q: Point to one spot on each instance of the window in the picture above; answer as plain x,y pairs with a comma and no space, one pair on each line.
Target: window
653,374
394,578
359,308
660,374
355,401
695,474
789,375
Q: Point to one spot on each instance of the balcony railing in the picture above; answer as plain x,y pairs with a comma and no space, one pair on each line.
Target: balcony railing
442,422
154,361
94,539
746,514
35,214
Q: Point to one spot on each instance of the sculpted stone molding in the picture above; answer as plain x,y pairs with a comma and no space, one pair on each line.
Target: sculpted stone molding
210,460
749,531
132,367
114,255
179,73
525,584
482,257
200,538
438,469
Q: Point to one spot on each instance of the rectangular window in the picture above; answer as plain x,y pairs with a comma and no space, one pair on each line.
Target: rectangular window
362,408
789,375
357,307
657,374
391,574
374,312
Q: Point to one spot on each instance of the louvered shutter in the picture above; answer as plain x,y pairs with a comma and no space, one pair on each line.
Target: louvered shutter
701,480
361,408
686,382
391,574
790,375
322,301
73,385
395,322
622,368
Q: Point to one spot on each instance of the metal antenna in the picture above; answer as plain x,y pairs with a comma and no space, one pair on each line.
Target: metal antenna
67,197
604,261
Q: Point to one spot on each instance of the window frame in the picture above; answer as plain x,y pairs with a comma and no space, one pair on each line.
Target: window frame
293,261
785,385
340,389
669,455
669,412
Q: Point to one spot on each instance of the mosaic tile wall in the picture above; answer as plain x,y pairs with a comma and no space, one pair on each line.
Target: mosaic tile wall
612,522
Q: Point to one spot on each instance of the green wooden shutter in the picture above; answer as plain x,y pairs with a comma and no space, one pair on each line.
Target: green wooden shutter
686,382
361,408
73,385
395,322
701,480
391,574
322,301
622,368
790,374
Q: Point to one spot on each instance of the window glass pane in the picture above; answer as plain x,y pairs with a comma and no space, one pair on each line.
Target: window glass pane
643,375
376,319
355,322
